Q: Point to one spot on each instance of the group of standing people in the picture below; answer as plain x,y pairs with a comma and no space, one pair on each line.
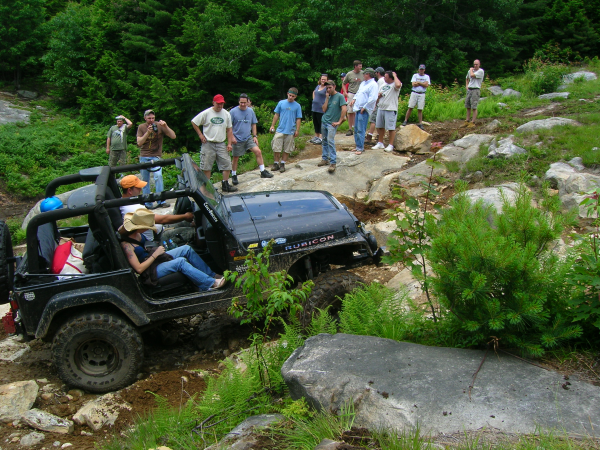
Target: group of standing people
367,99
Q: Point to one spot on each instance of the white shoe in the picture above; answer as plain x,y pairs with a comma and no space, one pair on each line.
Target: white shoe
378,146
389,148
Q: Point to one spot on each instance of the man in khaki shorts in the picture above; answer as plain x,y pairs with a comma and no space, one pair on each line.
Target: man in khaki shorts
216,124
289,113
473,85
353,78
420,81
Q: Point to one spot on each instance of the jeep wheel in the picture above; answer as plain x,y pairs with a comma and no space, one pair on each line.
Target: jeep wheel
330,288
97,352
6,252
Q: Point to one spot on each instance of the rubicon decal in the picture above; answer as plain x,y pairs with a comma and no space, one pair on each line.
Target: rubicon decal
315,241
210,211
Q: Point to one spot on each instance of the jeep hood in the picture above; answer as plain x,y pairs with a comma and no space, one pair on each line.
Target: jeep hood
289,216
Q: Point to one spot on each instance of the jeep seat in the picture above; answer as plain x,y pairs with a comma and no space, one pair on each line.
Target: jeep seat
170,285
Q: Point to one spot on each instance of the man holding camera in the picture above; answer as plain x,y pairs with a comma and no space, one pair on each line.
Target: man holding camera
116,142
150,136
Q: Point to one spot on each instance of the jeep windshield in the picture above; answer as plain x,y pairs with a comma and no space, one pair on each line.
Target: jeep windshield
204,186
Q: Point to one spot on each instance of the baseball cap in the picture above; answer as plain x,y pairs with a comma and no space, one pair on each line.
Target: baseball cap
422,66
130,181
219,98
148,111
380,70
370,71
343,75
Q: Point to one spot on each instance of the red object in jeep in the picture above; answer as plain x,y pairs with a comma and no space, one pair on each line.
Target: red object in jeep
9,323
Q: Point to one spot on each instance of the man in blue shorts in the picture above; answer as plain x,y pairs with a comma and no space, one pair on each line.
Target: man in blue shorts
245,137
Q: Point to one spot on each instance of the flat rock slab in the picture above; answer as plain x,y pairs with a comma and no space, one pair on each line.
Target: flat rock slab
17,398
11,350
554,95
587,76
492,196
545,124
398,385
354,173
45,421
9,113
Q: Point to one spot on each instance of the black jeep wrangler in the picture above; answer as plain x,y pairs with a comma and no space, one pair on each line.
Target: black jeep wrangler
95,320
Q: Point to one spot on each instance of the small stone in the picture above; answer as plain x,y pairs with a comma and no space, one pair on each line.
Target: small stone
86,433
56,443
32,439
226,353
42,380
49,388
47,396
185,379
595,149
70,397
66,444
76,393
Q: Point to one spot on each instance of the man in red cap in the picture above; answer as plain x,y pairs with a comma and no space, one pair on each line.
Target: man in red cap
216,128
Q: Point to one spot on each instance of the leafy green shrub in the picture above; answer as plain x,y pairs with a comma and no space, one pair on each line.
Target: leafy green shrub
496,276
542,77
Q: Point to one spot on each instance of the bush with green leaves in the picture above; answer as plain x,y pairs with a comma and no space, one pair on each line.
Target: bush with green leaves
543,77
495,274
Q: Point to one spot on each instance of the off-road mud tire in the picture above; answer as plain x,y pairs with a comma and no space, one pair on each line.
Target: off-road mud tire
330,288
98,352
6,252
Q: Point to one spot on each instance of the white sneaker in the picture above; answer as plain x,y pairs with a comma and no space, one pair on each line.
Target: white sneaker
389,148
378,146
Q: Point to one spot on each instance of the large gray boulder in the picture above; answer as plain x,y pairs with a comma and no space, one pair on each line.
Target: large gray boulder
505,148
496,90
511,93
587,76
398,385
28,94
492,196
544,124
558,173
101,411
554,95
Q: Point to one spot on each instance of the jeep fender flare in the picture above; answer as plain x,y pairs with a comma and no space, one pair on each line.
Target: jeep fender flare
90,296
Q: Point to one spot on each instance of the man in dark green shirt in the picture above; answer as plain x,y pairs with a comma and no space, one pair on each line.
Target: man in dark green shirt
334,110
116,142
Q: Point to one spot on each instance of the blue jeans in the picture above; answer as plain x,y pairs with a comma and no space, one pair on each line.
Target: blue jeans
360,129
187,261
158,179
328,132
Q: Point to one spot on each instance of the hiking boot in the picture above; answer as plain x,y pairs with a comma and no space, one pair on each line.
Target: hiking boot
464,125
282,168
322,163
378,146
404,123
471,125
420,125
331,168
226,187
234,179
349,133
266,174
275,167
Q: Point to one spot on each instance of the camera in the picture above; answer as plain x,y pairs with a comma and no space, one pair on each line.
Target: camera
155,127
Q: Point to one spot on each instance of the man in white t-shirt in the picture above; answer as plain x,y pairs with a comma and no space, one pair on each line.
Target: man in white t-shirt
420,81
131,186
216,128
473,84
387,112
379,76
